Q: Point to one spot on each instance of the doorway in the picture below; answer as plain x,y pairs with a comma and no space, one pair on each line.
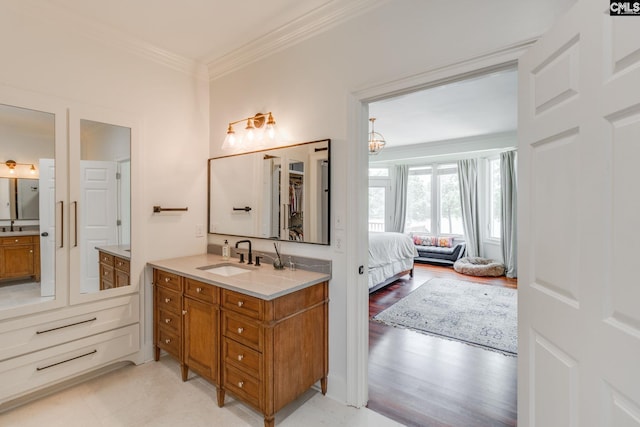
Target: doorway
358,320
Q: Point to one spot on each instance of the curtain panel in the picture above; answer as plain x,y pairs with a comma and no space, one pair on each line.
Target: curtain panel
509,216
468,179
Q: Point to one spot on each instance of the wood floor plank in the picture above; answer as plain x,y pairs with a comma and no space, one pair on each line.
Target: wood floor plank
420,380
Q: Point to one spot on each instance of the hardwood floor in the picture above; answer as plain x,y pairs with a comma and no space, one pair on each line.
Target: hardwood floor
419,380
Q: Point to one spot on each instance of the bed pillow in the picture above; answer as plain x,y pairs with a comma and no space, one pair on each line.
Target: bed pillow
445,242
425,240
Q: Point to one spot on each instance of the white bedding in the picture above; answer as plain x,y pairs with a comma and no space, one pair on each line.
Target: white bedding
389,254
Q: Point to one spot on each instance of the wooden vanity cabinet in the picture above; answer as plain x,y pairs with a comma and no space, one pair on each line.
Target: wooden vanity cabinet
264,352
114,271
186,323
20,257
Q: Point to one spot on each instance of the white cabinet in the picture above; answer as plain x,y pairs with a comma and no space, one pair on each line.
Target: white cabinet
61,324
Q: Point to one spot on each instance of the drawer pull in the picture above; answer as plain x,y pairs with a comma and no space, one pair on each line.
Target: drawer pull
198,290
240,303
119,263
17,240
240,384
240,357
65,361
240,330
167,341
167,279
167,320
66,326
184,312
167,300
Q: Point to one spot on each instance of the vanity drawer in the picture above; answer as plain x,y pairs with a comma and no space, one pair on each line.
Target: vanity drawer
17,240
106,273
168,280
201,291
247,305
170,320
121,264
36,332
168,300
242,384
106,258
24,374
242,357
241,329
170,342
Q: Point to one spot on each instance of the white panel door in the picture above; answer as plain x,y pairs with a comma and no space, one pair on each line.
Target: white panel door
579,235
97,218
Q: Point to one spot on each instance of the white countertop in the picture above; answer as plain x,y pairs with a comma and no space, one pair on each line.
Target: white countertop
19,233
263,282
122,251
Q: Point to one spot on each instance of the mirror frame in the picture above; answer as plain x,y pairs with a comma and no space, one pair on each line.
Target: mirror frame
272,149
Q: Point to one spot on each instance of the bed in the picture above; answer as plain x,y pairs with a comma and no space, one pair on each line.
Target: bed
391,256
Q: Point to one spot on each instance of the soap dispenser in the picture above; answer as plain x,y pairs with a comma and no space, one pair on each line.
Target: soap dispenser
226,251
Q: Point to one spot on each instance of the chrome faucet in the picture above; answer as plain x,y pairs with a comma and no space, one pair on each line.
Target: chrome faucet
250,261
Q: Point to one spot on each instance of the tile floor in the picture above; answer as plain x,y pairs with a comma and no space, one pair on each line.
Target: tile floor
20,292
152,394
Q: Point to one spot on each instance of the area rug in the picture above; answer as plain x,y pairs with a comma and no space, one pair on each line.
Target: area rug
481,315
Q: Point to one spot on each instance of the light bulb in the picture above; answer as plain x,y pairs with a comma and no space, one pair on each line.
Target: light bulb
32,170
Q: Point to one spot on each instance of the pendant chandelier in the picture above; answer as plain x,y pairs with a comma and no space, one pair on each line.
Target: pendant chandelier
376,140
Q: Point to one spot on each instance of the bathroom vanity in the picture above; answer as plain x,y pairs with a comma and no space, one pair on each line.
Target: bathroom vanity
258,333
20,255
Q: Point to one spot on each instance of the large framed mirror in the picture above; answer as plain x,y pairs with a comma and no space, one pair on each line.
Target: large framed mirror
28,238
281,193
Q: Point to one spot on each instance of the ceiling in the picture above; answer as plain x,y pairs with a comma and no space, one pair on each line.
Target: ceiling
200,30
206,31
479,106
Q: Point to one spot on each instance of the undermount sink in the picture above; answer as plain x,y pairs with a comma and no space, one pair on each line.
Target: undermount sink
225,269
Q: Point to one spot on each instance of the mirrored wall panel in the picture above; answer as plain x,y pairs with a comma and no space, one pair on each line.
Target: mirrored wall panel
281,193
27,207
104,208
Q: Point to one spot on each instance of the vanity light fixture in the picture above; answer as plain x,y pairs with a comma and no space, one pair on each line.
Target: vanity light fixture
258,128
376,140
11,164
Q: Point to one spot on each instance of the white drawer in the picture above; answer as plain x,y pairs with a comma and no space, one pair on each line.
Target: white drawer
28,373
36,332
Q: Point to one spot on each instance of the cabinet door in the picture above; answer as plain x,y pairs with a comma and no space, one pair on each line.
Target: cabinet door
41,166
100,147
18,261
201,337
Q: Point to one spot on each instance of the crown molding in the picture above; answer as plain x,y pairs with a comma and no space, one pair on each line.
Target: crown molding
315,22
46,12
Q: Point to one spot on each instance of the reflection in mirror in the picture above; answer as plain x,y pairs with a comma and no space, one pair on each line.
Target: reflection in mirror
27,217
280,193
104,209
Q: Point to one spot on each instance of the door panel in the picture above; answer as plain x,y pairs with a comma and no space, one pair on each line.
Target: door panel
579,321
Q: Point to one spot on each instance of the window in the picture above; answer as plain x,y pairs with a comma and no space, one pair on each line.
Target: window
433,200
450,211
495,200
377,196
419,200
378,172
